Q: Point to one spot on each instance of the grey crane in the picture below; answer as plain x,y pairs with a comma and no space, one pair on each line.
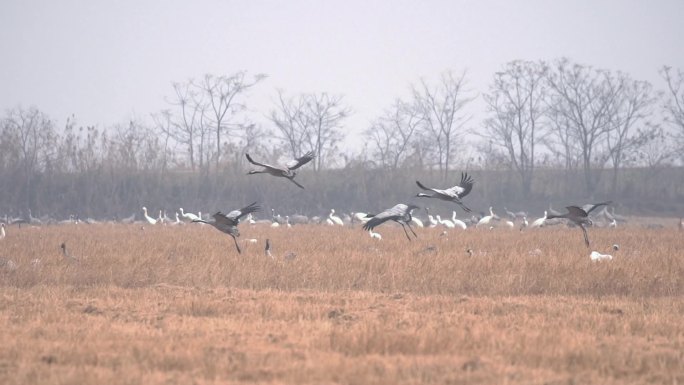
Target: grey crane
400,213
580,216
228,223
452,194
287,171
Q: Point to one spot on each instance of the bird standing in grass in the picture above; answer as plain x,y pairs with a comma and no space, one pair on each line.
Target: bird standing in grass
452,194
67,254
580,217
2,231
287,171
400,213
228,223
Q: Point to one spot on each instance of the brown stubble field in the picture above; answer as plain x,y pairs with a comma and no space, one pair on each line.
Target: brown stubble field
178,305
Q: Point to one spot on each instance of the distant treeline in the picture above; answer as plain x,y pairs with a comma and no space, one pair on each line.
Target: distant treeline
115,194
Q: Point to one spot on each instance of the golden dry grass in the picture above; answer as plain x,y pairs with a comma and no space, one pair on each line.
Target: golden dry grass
179,305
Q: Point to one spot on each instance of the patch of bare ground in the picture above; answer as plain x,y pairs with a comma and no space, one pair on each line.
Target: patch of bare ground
179,305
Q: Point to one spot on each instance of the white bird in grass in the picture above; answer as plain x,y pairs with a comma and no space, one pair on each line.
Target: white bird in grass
524,223
452,194
457,222
612,224
596,256
400,213
539,222
2,231
337,220
374,235
228,223
287,171
417,222
148,218
189,216
486,220
445,222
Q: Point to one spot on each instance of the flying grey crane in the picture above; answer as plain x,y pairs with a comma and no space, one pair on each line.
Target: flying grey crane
287,171
580,216
452,194
228,223
400,213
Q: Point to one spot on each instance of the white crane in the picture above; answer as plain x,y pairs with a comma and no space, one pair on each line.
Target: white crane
613,224
374,235
361,217
445,222
524,223
2,231
457,222
337,220
452,194
286,171
228,223
148,218
417,222
189,216
486,220
539,222
431,219
597,257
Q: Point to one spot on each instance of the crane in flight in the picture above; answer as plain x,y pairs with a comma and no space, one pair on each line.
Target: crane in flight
580,216
286,171
400,213
451,194
228,223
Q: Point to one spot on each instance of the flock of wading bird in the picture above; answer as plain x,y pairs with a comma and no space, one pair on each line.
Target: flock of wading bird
400,213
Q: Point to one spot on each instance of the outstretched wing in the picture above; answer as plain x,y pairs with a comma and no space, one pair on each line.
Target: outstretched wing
235,215
591,207
393,213
466,184
435,190
252,161
299,162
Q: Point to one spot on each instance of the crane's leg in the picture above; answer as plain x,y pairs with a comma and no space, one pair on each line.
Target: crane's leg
236,244
464,207
586,236
405,232
411,228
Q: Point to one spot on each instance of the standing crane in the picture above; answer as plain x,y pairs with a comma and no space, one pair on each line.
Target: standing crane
286,171
149,219
400,213
228,223
452,194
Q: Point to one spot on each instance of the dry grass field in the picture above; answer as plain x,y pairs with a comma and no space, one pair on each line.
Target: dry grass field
178,305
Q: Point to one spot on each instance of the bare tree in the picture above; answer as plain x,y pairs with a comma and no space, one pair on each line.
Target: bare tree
187,126
311,122
442,109
32,133
583,103
223,98
634,102
392,134
674,103
516,104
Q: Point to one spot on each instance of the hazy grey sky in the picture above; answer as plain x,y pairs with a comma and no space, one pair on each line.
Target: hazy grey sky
106,61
